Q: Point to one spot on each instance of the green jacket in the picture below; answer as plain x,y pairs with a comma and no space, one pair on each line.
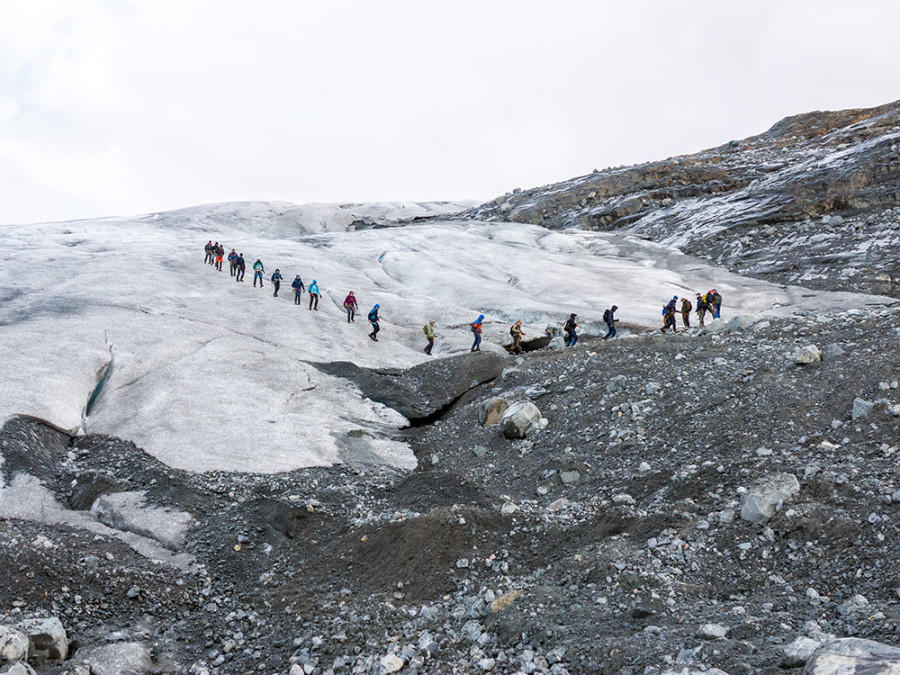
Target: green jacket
258,266
429,330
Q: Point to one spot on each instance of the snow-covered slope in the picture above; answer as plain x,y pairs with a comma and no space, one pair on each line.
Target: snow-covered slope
208,374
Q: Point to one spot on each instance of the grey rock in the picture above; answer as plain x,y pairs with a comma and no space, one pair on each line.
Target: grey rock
48,638
797,653
13,645
128,511
832,351
806,355
742,322
861,408
767,496
18,668
616,383
519,418
556,344
116,658
572,476
853,655
712,631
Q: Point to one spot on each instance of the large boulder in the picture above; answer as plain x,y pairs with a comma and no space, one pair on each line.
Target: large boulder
519,418
128,511
846,656
490,412
425,389
861,408
768,496
742,322
49,642
13,645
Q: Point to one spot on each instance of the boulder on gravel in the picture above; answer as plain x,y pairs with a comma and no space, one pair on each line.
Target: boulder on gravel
491,411
767,496
861,408
13,645
519,418
48,638
741,322
854,655
805,355
832,351
18,668
797,653
714,327
557,344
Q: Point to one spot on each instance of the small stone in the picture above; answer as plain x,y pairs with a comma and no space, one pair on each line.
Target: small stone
806,355
623,499
572,476
712,631
861,408
391,663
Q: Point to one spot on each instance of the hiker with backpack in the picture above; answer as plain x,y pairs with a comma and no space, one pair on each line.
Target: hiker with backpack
351,307
610,320
212,253
516,331
668,313
239,267
258,270
297,285
428,328
702,307
374,322
232,262
209,251
220,253
717,303
313,290
276,280
686,308
569,328
476,329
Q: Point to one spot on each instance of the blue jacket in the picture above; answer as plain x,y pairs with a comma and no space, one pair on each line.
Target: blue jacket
276,277
298,283
313,288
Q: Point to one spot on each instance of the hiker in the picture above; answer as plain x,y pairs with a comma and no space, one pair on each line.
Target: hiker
702,307
516,331
276,280
717,303
373,320
569,328
212,253
258,270
220,253
610,320
351,307
239,267
313,290
208,248
686,308
297,285
476,329
669,315
232,262
429,333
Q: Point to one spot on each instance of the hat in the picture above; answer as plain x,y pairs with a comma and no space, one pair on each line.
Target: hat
674,297
377,306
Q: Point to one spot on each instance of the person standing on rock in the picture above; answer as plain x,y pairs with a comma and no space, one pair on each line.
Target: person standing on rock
516,331
239,268
209,251
610,320
258,271
717,303
232,262
476,329
373,321
669,315
351,307
276,281
313,290
686,308
569,328
429,333
297,285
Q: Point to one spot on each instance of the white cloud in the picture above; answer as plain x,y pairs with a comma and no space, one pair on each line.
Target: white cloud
119,106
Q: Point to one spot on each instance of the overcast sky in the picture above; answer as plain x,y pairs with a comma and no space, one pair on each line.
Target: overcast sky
122,107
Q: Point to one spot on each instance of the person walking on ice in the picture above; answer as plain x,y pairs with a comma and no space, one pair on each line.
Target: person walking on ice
516,331
297,285
258,271
669,315
429,333
351,307
276,281
209,251
476,329
373,321
717,303
610,320
232,262
686,308
569,328
314,294
220,253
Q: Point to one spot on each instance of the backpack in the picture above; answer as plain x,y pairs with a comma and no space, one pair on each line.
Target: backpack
606,316
664,309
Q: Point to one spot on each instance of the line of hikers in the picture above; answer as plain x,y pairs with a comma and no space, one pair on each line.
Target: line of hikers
710,302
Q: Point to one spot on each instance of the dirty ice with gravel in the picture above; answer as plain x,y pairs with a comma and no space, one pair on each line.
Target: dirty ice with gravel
116,326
